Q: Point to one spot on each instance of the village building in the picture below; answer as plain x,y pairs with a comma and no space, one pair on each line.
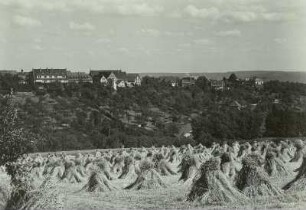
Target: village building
188,81
259,82
133,80
23,77
78,77
49,75
116,78
172,81
217,84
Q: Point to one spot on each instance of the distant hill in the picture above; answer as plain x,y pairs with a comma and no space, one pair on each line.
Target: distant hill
265,75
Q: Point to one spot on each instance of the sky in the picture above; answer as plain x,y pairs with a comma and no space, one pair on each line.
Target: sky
153,35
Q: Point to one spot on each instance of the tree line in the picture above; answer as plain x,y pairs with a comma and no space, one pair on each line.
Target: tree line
79,116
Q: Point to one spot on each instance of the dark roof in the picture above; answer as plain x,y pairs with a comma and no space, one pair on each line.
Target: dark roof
120,75
77,75
217,82
188,79
102,72
47,71
131,77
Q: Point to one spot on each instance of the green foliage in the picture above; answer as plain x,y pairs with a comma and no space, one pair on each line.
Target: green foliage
14,141
285,123
226,124
84,115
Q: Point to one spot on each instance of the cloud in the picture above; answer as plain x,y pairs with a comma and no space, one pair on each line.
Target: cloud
26,21
150,32
123,50
210,13
142,9
229,33
184,45
203,42
81,26
104,41
107,7
243,12
38,47
280,41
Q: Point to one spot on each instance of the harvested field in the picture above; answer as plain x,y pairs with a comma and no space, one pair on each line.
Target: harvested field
209,186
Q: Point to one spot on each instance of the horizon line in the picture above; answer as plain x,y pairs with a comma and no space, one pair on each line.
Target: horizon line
171,72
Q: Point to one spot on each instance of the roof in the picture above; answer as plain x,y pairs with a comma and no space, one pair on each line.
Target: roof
77,75
47,71
131,77
188,79
216,82
98,72
120,75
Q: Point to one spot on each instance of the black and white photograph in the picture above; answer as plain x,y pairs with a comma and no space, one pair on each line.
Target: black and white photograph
152,104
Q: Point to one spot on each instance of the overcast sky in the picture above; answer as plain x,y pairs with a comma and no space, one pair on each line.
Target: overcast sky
153,35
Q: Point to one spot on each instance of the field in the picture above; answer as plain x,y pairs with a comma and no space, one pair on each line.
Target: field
172,196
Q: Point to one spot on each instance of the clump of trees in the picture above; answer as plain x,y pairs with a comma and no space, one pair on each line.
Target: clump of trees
227,124
285,123
14,140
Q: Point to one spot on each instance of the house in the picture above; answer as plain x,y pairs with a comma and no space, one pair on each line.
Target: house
49,75
23,77
258,82
172,81
133,79
77,77
121,83
217,84
115,77
106,76
188,81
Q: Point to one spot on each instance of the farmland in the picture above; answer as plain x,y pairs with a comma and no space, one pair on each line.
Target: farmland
172,174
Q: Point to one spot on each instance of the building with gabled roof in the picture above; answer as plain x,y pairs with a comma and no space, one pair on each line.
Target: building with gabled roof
188,81
259,82
118,77
217,84
133,79
77,77
49,75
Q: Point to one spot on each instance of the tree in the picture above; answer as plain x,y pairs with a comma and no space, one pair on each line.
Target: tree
232,78
203,83
14,141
